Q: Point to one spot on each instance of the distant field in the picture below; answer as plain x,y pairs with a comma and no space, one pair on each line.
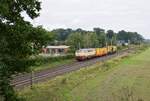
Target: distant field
121,79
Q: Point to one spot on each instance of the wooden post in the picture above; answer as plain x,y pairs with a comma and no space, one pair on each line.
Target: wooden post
32,79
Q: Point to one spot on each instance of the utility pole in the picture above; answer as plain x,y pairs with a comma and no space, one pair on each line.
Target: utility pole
79,46
32,72
111,41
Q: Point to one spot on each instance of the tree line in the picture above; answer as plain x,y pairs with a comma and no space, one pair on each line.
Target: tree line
99,37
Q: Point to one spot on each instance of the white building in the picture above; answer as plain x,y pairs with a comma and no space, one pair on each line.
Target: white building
55,50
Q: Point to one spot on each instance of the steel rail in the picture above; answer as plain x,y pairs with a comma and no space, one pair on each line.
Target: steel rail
23,80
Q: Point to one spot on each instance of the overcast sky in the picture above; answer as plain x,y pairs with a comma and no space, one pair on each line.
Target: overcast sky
130,15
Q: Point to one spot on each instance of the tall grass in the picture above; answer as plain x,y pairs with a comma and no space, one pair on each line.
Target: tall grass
43,60
40,62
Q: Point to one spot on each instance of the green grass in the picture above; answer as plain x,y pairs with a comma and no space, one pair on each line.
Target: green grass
42,63
52,64
120,79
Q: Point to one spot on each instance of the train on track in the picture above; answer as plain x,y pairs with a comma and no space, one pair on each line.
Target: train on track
88,53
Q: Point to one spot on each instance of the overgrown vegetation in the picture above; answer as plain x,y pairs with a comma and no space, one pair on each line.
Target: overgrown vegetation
41,62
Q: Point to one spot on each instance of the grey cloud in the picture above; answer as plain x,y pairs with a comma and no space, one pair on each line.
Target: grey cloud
131,15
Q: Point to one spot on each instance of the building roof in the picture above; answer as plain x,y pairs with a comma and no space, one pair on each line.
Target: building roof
58,47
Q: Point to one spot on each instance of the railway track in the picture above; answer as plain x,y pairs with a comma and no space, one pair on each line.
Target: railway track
28,79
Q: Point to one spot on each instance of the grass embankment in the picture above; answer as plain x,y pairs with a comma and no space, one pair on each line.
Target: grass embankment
120,79
42,63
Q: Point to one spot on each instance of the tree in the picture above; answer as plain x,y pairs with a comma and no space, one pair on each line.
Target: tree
79,30
101,36
110,34
38,37
123,36
102,40
83,40
133,37
90,40
75,40
99,31
110,37
16,39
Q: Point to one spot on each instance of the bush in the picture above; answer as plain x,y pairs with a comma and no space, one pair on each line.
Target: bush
39,60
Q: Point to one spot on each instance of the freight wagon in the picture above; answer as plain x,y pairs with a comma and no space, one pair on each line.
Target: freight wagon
88,53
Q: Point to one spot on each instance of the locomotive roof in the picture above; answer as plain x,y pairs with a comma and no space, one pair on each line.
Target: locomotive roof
87,49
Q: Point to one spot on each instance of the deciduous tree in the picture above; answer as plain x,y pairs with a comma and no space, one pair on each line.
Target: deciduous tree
17,38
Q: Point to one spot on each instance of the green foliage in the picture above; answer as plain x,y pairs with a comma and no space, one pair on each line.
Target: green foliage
83,40
102,38
75,41
98,31
110,34
41,63
39,37
18,40
62,34
44,60
90,40
132,37
111,37
10,10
